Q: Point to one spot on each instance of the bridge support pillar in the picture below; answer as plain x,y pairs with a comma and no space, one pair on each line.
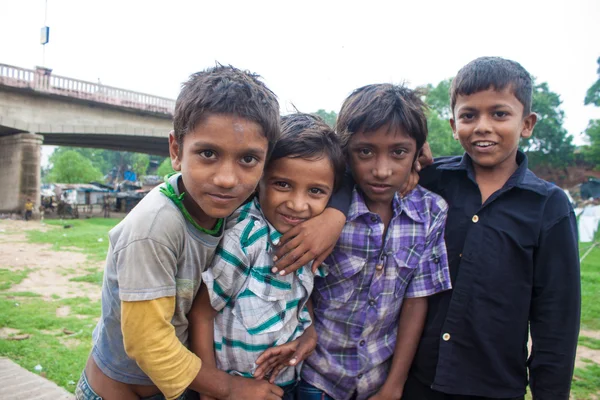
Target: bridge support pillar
20,171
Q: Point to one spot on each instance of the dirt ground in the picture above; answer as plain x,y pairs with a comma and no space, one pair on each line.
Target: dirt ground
50,270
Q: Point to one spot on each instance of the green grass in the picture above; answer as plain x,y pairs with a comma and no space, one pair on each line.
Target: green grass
31,315
8,278
83,235
590,286
95,278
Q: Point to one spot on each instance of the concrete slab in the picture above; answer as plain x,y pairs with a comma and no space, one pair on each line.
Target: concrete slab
16,383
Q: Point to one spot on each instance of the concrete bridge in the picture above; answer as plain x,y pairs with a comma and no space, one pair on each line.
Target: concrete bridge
37,107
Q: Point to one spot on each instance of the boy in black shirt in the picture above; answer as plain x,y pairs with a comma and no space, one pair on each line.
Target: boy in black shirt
513,254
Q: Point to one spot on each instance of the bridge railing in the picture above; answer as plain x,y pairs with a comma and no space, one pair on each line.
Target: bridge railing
42,80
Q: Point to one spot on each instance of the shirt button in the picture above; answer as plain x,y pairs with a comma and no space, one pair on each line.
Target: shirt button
379,267
475,218
446,337
460,255
359,376
372,302
374,218
362,343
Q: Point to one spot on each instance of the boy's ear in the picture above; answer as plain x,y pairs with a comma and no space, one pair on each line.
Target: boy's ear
174,151
453,126
528,125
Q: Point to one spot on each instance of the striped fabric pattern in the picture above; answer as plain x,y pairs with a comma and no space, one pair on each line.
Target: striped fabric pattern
357,306
257,309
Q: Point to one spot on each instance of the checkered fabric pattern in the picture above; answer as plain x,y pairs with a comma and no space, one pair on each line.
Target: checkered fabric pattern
357,306
257,309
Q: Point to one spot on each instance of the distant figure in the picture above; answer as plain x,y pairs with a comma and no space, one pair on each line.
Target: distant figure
106,207
28,210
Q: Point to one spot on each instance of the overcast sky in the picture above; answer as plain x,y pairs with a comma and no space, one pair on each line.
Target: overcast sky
310,53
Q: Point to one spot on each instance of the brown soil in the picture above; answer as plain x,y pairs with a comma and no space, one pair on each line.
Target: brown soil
50,270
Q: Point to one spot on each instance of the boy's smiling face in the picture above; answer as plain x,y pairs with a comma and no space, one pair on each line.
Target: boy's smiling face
294,190
221,162
489,124
381,162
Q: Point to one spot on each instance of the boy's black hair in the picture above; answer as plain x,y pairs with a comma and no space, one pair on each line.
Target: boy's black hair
226,90
370,107
496,73
308,136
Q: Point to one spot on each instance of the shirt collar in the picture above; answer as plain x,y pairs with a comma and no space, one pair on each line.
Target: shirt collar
522,178
256,211
358,207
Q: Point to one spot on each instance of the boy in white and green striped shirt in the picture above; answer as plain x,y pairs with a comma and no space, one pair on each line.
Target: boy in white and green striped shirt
252,308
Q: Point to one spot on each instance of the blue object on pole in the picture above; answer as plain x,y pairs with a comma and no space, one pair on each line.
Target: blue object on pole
45,35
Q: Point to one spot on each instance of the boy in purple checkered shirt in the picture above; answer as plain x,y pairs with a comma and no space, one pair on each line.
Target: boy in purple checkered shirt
370,309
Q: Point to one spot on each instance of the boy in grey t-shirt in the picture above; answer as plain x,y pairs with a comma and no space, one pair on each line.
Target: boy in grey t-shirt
225,124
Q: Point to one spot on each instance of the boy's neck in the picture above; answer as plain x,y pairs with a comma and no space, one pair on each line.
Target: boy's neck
490,180
384,210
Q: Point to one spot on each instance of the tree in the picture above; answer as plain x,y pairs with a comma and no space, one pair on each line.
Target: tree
591,153
440,137
140,163
593,94
72,167
165,168
328,117
550,143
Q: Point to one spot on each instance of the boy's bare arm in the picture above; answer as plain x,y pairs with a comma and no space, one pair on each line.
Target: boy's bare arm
201,327
555,310
201,330
410,327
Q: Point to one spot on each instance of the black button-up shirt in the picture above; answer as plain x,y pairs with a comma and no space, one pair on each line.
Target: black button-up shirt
514,264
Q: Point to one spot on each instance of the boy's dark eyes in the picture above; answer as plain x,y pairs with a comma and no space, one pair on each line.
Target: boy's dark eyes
467,116
399,152
249,160
281,184
500,114
316,191
208,153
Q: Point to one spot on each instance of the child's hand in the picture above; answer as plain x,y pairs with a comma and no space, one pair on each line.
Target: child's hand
425,159
388,392
311,240
275,359
252,389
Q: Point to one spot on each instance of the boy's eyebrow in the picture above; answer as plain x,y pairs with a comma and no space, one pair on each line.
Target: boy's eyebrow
400,142
321,185
251,150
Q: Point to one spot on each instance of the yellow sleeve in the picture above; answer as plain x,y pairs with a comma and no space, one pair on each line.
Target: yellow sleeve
150,340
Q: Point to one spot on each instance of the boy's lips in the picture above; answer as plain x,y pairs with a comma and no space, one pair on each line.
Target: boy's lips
483,146
379,188
291,220
221,198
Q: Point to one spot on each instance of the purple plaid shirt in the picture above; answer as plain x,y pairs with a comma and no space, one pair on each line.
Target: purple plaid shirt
357,306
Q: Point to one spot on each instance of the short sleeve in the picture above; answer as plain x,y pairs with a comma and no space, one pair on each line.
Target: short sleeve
145,270
228,271
433,274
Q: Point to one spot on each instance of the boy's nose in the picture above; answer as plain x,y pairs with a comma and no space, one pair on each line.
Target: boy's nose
225,177
483,125
382,169
297,203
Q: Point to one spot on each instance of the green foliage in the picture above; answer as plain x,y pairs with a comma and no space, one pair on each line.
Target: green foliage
108,161
328,117
140,163
593,94
550,144
72,167
440,137
165,168
591,153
